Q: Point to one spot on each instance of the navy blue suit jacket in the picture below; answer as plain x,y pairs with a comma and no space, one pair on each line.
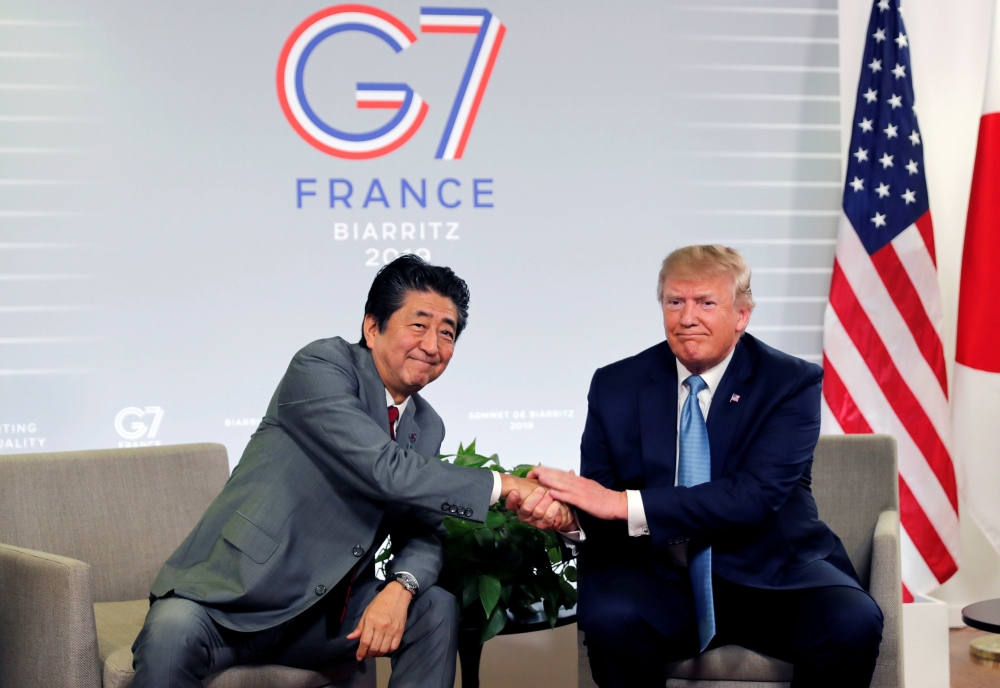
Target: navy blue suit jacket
757,513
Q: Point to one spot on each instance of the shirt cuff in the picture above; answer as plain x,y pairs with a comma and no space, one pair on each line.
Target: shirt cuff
497,488
573,538
637,525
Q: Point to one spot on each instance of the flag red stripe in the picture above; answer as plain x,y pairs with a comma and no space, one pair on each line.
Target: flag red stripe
923,534
907,300
977,342
926,229
904,404
925,537
907,595
840,402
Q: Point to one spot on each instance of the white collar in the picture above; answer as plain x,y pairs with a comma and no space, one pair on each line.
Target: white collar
712,376
401,405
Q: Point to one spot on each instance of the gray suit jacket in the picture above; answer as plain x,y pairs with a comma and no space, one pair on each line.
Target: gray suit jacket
317,490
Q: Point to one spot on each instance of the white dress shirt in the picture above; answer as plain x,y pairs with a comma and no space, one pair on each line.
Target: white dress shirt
497,484
637,525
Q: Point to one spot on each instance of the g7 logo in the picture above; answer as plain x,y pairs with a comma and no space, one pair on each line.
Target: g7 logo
137,428
410,107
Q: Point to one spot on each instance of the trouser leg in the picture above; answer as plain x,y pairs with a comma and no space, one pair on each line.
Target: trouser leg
429,647
180,644
634,622
831,635
426,654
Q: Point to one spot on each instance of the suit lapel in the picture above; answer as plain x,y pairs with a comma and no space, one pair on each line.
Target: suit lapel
408,432
374,389
725,413
658,421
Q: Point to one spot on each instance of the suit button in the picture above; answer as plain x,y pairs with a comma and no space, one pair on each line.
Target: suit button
320,589
468,513
445,506
358,550
461,511
453,509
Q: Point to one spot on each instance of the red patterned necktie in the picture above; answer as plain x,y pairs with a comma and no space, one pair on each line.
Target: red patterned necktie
393,417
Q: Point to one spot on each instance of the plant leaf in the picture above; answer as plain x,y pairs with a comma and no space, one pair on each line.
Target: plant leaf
489,594
495,520
497,620
485,538
555,555
470,591
570,574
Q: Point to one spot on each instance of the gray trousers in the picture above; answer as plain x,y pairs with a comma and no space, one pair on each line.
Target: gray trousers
180,644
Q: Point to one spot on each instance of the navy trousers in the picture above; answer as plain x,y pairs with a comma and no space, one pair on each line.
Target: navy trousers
635,621
180,644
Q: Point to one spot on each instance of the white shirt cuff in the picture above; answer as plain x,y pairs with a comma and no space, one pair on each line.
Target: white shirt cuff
497,488
636,514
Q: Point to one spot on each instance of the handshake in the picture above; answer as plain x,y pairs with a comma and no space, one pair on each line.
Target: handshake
544,498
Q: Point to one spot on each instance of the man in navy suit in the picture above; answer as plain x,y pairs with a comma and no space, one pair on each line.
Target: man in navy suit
699,525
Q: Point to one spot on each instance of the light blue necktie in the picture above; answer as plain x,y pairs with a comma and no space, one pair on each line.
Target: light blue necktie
696,468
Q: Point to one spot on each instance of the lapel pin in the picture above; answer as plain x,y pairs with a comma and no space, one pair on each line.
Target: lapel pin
734,398
413,437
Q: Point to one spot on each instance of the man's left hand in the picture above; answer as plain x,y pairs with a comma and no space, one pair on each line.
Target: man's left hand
382,625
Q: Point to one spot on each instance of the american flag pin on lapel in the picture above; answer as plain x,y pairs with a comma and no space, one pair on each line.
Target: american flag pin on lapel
734,398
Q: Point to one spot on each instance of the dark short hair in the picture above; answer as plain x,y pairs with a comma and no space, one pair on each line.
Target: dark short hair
407,273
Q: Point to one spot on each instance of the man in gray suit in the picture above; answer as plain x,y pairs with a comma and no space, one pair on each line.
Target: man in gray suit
281,567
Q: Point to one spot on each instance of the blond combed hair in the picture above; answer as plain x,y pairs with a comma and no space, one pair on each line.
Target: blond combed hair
709,259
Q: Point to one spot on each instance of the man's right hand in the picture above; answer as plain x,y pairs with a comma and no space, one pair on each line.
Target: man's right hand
540,510
510,483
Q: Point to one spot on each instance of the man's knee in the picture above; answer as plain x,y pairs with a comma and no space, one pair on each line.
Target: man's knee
437,608
174,633
613,620
852,624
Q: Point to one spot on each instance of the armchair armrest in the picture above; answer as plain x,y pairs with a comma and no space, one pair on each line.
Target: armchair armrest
47,632
886,589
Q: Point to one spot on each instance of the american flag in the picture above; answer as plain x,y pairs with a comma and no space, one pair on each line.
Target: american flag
882,350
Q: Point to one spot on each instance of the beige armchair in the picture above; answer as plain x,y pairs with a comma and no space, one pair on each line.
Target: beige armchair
856,490
82,535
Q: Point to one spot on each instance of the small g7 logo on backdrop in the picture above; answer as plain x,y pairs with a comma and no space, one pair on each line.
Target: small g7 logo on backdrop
137,428
409,106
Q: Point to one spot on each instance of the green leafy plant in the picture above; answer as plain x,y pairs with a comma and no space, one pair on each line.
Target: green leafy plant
503,565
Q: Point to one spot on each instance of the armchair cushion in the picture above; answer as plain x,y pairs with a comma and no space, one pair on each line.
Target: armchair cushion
731,663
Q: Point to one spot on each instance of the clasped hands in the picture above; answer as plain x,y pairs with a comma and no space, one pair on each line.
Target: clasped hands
544,498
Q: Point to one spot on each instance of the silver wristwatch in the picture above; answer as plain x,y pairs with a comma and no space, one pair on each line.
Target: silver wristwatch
407,581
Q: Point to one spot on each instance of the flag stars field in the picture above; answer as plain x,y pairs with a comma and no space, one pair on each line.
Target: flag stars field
915,138
866,124
882,190
896,101
886,161
890,131
871,96
861,154
909,197
858,184
876,65
899,71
